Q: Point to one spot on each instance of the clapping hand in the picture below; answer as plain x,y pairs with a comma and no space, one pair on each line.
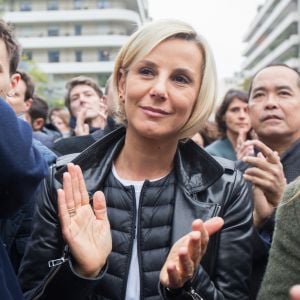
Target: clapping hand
243,147
86,229
187,252
267,177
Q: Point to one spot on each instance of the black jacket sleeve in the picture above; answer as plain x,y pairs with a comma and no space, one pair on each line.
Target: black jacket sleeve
232,254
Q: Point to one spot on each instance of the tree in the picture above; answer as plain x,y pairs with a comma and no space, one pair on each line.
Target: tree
44,87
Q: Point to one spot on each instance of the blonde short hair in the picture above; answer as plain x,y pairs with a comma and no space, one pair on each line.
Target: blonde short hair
146,39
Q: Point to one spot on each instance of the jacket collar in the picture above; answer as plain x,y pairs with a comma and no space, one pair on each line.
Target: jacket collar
195,168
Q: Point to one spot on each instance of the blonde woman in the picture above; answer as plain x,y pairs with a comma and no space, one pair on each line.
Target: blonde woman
157,197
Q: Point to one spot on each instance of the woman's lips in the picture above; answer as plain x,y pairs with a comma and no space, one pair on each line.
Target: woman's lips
152,111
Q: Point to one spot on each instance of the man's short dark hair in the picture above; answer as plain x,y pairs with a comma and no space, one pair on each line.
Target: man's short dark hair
12,46
29,85
273,65
38,109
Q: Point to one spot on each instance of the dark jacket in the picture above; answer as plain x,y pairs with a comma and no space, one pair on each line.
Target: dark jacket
76,144
262,238
198,187
21,170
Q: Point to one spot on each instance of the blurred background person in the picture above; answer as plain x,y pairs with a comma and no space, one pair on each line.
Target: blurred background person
37,118
88,110
76,144
60,118
233,123
208,134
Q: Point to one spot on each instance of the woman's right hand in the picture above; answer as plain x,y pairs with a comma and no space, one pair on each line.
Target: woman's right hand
85,229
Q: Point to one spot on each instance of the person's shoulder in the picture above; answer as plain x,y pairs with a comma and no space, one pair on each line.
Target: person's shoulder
73,144
214,144
289,206
292,191
221,147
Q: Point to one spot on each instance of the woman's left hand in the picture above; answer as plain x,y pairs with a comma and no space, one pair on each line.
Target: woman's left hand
187,252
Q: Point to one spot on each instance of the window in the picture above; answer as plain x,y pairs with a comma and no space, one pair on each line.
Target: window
27,55
53,30
53,56
52,5
25,6
78,55
78,29
104,55
103,4
77,4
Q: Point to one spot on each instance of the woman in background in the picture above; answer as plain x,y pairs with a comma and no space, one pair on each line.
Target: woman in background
60,118
233,123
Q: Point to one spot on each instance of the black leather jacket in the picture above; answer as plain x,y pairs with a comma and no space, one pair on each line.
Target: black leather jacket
199,187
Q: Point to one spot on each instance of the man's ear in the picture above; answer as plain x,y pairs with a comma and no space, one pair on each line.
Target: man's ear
14,80
38,124
28,103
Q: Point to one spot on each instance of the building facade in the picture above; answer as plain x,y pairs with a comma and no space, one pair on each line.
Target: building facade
273,36
74,37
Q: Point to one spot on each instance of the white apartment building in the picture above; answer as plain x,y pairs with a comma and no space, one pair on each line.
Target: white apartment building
273,36
67,38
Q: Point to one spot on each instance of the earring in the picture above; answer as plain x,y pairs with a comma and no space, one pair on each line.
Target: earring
121,98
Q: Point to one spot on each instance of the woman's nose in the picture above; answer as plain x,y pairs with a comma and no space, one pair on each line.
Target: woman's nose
159,89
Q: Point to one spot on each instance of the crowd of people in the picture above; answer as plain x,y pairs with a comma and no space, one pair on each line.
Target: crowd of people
134,192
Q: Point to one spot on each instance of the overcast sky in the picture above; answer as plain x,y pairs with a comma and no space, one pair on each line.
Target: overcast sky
222,22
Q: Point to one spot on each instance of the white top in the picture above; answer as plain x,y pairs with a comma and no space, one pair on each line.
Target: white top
133,282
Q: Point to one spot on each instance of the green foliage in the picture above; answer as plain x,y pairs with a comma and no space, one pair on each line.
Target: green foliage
246,84
44,87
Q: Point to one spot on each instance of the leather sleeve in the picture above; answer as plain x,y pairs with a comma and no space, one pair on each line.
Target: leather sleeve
38,280
233,261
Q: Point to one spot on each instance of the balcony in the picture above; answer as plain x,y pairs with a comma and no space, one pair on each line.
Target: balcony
67,16
286,28
77,67
276,16
262,14
59,42
272,57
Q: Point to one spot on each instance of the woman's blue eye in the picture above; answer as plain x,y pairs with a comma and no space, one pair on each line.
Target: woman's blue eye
181,79
146,71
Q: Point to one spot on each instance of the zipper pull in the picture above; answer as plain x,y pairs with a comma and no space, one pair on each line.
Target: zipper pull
56,262
194,295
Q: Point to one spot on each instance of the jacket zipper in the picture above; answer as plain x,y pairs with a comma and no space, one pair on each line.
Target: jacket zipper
54,263
139,235
194,295
131,240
